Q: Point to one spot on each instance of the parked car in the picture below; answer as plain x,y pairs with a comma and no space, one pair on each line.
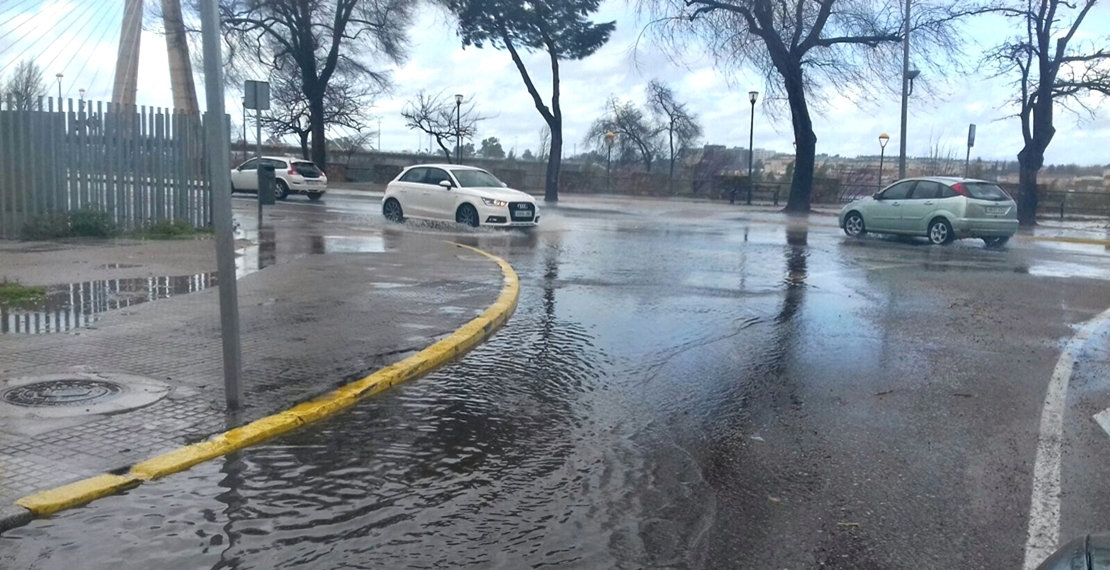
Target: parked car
453,193
939,208
292,176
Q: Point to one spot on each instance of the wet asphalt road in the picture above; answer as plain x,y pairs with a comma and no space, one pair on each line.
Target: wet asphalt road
683,386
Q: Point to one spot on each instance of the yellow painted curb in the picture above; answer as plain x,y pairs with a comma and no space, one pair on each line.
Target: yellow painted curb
458,343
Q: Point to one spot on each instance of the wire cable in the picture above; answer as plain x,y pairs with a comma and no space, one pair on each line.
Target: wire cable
101,40
78,17
80,52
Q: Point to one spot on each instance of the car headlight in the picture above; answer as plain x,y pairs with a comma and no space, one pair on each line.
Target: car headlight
498,203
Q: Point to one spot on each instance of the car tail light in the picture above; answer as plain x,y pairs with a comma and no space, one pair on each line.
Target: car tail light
292,171
960,189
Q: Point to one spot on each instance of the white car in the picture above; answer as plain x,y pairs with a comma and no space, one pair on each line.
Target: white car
453,193
292,176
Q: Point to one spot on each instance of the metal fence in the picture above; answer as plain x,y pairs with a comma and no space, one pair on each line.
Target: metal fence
140,165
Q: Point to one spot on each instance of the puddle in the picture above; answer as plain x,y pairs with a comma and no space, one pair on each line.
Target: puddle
78,305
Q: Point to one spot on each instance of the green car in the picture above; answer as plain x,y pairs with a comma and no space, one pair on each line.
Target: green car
939,208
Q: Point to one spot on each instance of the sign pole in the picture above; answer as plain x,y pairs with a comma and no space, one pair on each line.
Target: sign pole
218,149
970,143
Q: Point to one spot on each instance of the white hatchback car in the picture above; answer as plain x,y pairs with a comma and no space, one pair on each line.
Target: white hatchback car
292,176
454,193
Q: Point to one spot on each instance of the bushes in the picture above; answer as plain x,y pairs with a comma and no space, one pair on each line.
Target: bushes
13,292
98,224
167,229
78,223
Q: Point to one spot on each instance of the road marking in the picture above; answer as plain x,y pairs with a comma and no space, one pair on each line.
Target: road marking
1044,507
1103,419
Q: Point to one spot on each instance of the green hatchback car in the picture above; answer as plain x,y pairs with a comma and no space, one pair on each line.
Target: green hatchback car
939,208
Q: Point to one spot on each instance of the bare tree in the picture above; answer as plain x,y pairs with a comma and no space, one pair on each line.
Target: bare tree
677,123
802,45
346,103
439,118
323,39
25,86
1052,65
631,126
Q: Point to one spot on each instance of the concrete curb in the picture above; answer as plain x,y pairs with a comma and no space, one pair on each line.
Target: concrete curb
459,342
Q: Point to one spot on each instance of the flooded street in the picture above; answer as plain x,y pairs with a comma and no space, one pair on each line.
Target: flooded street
683,385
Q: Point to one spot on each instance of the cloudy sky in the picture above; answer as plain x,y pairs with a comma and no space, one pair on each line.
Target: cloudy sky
79,39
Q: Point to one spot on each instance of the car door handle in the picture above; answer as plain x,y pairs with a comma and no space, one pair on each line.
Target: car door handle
928,202
895,204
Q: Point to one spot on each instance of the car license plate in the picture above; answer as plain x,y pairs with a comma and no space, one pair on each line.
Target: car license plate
311,181
996,211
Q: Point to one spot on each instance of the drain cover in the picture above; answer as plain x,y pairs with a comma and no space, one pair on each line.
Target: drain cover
64,392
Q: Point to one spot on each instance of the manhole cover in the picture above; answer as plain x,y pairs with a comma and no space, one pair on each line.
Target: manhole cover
66,392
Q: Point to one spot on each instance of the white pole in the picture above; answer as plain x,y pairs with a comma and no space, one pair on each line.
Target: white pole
218,148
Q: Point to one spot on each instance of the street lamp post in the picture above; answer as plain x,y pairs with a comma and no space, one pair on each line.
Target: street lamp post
883,139
610,138
59,76
752,96
458,128
901,140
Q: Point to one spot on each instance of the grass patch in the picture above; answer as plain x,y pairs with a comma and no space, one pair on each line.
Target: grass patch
166,229
78,223
13,292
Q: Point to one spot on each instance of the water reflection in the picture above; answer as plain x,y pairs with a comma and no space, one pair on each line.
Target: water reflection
77,305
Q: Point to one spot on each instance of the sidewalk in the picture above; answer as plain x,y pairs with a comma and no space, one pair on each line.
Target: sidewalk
308,326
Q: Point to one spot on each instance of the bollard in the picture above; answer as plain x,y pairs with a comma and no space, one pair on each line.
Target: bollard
266,183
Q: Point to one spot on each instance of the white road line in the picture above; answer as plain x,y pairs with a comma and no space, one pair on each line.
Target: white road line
1103,419
1044,508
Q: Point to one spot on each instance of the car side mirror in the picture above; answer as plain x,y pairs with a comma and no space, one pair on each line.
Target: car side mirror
503,185
446,184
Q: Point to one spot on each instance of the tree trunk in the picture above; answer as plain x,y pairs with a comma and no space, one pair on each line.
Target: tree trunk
316,120
304,144
1029,164
554,163
801,187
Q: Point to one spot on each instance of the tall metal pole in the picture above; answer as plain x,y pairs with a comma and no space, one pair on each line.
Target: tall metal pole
751,152
882,155
458,131
244,129
258,134
217,147
905,93
379,133
59,76
609,170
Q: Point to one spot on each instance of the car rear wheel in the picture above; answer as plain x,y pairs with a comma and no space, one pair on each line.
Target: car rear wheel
392,211
940,232
467,215
281,190
996,242
854,226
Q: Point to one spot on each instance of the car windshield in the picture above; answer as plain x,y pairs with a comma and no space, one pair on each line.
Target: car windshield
475,179
986,191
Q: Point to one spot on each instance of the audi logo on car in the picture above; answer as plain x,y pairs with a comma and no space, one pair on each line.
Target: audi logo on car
522,207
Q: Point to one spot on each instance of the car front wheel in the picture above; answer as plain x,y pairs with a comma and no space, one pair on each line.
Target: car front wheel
392,211
467,215
853,225
940,232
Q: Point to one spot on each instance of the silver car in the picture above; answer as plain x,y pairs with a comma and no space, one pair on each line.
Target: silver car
939,208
